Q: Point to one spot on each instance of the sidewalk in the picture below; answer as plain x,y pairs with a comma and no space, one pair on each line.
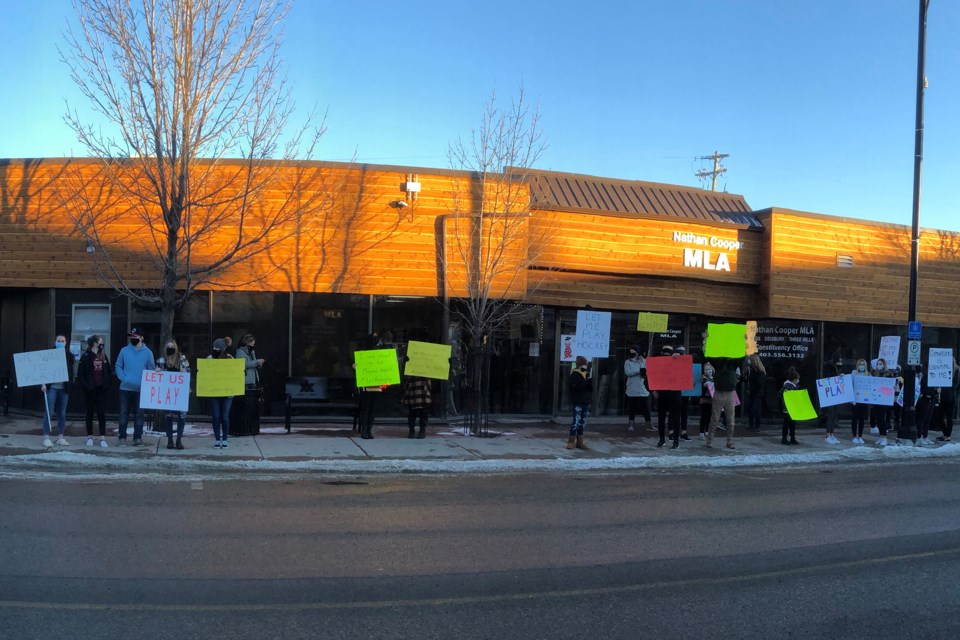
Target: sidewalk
516,447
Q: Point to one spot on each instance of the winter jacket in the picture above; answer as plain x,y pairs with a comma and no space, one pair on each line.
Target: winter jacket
725,374
416,392
788,385
581,390
183,365
85,371
251,373
635,370
131,363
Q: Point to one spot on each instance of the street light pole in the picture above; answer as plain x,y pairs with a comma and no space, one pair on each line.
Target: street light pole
908,421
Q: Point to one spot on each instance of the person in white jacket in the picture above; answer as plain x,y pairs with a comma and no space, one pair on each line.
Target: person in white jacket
638,396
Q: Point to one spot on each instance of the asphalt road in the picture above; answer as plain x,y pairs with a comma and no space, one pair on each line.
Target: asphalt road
834,552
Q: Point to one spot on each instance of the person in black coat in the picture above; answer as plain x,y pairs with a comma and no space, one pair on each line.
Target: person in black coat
581,395
95,375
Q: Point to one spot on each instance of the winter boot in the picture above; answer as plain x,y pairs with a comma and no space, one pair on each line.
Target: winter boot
630,426
170,444
580,444
412,433
179,444
421,434
571,442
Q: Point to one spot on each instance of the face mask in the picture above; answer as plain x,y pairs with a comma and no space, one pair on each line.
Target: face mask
880,367
171,351
216,352
583,368
135,341
59,345
633,354
99,347
862,367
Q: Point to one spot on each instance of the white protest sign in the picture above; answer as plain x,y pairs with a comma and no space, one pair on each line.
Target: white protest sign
165,390
940,368
40,367
593,334
835,390
873,390
889,350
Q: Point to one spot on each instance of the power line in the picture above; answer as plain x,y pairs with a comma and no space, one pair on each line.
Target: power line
717,169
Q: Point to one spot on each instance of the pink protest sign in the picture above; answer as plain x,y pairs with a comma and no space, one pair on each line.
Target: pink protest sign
670,373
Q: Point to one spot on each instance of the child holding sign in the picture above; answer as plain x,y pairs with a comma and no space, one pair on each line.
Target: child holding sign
792,383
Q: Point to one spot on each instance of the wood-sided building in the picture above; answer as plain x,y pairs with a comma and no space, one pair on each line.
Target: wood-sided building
820,286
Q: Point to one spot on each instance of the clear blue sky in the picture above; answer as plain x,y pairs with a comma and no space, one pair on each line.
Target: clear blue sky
814,101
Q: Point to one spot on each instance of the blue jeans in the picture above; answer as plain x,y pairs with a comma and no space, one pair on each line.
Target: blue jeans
220,410
580,414
56,406
130,400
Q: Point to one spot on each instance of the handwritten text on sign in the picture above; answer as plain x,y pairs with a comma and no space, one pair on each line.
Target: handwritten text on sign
655,322
428,360
889,350
40,367
593,334
835,390
871,390
220,377
376,367
165,390
940,368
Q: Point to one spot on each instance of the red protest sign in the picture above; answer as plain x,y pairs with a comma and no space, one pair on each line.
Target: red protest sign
670,373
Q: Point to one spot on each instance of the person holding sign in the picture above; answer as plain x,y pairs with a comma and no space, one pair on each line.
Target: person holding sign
948,402
859,418
94,375
173,361
220,406
755,376
792,383
832,413
132,361
56,396
880,414
638,396
581,395
417,398
724,388
368,395
668,408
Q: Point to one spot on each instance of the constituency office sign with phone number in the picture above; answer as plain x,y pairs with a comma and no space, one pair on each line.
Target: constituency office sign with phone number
786,340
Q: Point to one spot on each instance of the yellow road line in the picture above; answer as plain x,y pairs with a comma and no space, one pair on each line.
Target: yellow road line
467,600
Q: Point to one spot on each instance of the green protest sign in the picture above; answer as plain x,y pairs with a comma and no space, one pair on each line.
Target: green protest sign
428,360
376,367
653,322
726,340
798,405
220,377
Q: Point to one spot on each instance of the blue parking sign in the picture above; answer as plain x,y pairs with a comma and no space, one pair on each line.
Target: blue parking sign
914,330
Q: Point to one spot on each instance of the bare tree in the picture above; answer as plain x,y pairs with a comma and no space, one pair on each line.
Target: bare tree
193,171
488,248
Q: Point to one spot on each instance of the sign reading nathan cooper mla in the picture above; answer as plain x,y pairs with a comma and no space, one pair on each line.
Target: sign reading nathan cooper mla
713,255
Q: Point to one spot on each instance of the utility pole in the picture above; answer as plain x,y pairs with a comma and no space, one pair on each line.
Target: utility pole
717,169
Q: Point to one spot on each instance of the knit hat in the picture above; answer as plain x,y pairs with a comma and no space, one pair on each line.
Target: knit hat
666,349
681,349
220,344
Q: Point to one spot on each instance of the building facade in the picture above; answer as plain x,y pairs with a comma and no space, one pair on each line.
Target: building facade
819,286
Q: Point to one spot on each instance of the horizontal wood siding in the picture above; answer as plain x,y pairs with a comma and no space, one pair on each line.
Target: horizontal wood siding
806,283
633,246
642,293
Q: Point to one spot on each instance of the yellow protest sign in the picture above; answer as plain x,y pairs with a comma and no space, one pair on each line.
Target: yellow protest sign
726,340
428,360
798,405
653,322
219,377
751,337
376,367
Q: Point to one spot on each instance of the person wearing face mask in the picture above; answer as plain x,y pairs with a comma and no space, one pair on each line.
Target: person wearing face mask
220,406
638,396
859,418
94,374
56,396
173,360
247,414
668,408
581,397
832,413
880,414
132,361
792,383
